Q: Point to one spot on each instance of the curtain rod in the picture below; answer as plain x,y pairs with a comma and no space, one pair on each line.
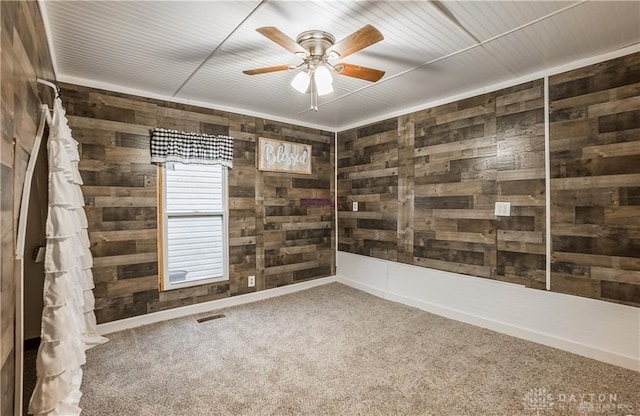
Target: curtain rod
49,84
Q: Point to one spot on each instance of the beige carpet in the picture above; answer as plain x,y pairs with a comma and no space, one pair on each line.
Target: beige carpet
334,350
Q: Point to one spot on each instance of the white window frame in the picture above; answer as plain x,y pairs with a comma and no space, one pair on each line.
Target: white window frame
165,283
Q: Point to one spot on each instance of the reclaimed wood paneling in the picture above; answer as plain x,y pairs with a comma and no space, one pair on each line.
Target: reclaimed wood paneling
406,188
455,187
368,174
521,237
25,57
433,176
296,213
280,225
595,170
425,184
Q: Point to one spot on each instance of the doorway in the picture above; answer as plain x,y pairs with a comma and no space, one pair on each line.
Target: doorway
33,283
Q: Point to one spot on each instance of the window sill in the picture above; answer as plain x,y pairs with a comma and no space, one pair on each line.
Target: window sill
191,283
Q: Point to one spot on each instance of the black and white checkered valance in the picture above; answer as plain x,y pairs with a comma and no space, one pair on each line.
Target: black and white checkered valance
193,148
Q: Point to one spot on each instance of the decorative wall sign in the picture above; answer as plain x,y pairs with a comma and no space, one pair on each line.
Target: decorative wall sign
280,156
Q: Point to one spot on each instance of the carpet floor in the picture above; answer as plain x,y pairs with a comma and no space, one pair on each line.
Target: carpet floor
334,350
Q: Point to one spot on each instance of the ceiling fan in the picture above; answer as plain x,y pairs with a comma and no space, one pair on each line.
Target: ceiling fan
317,48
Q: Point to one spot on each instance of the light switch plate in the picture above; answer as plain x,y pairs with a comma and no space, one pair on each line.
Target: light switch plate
503,209
355,205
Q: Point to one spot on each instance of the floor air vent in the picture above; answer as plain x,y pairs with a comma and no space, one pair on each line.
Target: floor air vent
211,318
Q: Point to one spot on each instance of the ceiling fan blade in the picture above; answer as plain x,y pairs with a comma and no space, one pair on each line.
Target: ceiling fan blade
361,72
357,41
266,70
276,35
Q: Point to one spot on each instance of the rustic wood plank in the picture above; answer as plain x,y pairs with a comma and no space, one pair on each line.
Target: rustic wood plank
594,161
628,216
612,150
593,182
406,189
521,236
95,124
123,235
124,259
121,197
127,286
290,267
616,275
455,147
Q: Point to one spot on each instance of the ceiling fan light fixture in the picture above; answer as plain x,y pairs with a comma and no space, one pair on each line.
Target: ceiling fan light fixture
316,48
301,82
323,80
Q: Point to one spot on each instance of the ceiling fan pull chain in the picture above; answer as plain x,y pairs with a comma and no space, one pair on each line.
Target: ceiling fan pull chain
314,93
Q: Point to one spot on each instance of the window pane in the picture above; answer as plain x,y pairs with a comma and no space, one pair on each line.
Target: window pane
194,188
195,246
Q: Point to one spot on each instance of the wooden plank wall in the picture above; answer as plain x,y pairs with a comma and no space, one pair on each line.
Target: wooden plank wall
520,180
280,225
368,175
595,186
427,182
25,57
455,187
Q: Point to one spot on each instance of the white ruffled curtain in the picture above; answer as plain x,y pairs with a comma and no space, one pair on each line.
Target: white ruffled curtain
68,319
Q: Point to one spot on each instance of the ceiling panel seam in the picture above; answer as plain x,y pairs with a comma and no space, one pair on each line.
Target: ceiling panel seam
255,9
453,19
518,42
533,22
468,48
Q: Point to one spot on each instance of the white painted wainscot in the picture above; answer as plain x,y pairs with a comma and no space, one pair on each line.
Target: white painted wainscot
596,329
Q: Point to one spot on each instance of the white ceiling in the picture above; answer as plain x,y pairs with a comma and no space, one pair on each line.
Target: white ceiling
196,51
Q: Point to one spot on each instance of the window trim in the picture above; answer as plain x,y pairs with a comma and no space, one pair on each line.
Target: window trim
163,218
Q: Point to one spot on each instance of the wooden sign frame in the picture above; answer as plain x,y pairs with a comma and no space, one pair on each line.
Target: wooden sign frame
282,156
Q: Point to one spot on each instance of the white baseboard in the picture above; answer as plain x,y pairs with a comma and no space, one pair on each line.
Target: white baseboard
591,328
520,332
179,312
363,287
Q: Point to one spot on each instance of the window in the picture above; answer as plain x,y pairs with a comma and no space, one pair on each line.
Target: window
194,225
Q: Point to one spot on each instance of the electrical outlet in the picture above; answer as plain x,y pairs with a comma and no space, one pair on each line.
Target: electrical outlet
355,205
503,209
251,281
